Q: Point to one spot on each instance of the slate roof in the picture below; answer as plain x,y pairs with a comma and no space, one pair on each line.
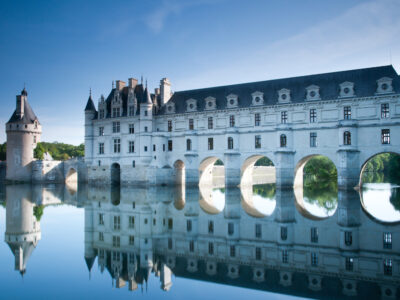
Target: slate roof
29,116
90,105
364,85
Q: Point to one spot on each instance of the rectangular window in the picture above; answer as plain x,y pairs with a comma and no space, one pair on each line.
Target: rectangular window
210,248
116,127
169,125
131,110
314,235
131,240
131,223
115,112
387,267
116,241
117,145
284,117
188,144
314,259
101,237
349,263
257,141
145,148
101,113
257,119
210,227
283,233
101,148
101,131
348,238
385,110
116,256
387,240
258,231
210,143
154,147
133,205
191,246
210,123
145,128
230,228
163,147
169,145
133,164
131,146
258,253
313,139
285,256
145,113
170,224
347,112
191,124
385,136
169,243
231,121
232,251
131,128
101,219
313,115
189,225
117,222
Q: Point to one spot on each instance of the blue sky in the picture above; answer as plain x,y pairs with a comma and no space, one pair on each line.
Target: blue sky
62,48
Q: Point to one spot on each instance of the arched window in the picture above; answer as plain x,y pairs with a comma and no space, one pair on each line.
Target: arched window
230,143
347,138
283,140
188,144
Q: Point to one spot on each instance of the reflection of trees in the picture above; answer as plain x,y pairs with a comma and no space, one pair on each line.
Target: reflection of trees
38,212
323,193
264,190
383,167
395,198
321,168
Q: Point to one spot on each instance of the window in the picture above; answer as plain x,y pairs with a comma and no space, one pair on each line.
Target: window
169,145
257,119
258,253
101,219
210,227
116,241
349,263
131,223
145,113
285,256
210,143
133,205
231,121
101,237
131,110
169,243
314,235
131,128
101,148
385,136
230,143
116,127
189,225
101,254
191,246
348,238
131,240
232,251
387,267
385,110
133,164
313,139
257,141
347,112
145,128
34,139
314,259
346,138
116,256
145,148
283,233
188,144
170,224
284,117
101,131
191,124
313,115
117,145
387,240
115,112
101,113
131,146
283,140
117,222
210,248
258,230
154,147
210,123
169,125
230,228
99,163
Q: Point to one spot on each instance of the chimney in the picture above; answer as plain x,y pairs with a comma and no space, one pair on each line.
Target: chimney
157,91
165,90
20,106
132,82
120,84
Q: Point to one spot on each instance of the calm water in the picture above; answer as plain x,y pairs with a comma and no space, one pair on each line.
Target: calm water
260,242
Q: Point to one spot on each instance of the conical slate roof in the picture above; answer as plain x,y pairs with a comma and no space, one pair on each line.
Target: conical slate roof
90,105
29,116
147,98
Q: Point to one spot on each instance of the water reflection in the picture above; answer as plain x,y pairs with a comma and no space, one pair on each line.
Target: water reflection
138,234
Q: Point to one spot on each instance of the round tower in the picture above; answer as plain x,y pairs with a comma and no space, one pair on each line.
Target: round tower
90,114
23,133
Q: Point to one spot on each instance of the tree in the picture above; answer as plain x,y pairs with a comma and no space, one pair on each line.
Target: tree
3,151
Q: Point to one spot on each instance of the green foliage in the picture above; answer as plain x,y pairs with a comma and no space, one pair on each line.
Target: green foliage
38,212
264,161
320,168
219,163
384,167
265,190
59,151
323,192
395,198
3,151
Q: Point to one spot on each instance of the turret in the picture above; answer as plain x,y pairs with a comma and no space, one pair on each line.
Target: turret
146,125
23,133
90,114
165,91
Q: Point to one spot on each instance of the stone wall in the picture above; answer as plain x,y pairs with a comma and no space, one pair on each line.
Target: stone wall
47,171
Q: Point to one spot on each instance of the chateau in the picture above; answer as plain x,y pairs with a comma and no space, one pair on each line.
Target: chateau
135,136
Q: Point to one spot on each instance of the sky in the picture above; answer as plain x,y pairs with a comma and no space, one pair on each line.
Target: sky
61,49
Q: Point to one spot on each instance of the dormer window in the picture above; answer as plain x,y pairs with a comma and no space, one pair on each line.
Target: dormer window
210,103
232,101
312,93
284,96
258,98
346,89
384,85
191,105
170,107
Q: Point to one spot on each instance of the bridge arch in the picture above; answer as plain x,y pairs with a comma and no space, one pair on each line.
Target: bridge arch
212,200
266,171
115,174
71,176
206,170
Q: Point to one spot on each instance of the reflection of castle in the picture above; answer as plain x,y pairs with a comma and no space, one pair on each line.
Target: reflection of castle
163,231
